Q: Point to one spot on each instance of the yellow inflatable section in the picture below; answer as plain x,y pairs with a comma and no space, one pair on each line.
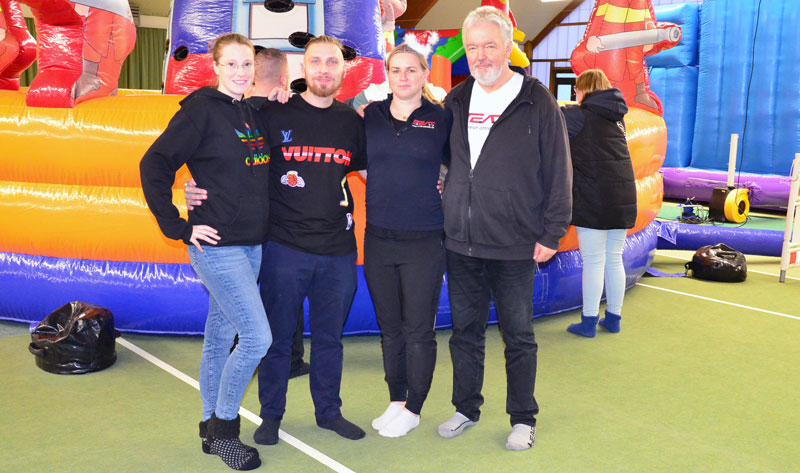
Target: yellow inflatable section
69,178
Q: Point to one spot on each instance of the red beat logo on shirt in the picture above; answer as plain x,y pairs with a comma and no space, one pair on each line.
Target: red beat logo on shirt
482,118
423,124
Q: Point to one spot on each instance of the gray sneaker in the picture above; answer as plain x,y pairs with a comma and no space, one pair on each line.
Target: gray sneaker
455,426
521,437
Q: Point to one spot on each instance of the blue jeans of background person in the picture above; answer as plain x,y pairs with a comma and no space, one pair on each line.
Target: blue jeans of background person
472,283
234,307
601,253
287,277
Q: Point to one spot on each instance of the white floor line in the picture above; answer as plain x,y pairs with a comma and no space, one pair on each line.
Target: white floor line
720,301
749,270
293,441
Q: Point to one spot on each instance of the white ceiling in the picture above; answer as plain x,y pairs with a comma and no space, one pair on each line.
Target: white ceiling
153,7
531,15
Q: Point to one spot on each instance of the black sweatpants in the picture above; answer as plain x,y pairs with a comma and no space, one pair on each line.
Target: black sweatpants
404,273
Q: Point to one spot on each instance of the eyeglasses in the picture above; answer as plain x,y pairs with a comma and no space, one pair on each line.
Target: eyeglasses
233,67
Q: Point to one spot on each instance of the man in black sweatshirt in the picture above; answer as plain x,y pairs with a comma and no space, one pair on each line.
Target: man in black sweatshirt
507,201
311,247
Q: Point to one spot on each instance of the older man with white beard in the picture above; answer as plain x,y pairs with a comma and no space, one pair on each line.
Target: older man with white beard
507,201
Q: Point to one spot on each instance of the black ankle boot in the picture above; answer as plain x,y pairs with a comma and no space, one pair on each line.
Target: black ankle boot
223,440
204,435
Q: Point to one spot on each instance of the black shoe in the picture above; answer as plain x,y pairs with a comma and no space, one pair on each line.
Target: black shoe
302,369
267,432
223,438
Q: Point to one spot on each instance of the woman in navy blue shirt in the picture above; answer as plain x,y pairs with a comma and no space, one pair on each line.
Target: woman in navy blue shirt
407,143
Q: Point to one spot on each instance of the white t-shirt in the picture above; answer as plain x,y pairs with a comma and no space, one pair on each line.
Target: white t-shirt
484,109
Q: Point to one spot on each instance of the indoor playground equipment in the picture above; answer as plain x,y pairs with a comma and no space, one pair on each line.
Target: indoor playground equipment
194,23
80,53
618,36
78,227
734,72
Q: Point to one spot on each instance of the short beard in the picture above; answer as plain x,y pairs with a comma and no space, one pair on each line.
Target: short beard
324,93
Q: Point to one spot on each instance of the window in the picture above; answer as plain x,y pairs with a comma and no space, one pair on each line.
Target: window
562,83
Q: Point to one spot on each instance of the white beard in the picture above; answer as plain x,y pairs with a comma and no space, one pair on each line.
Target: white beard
489,77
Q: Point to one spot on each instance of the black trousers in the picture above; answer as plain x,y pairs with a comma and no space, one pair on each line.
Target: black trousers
472,283
404,275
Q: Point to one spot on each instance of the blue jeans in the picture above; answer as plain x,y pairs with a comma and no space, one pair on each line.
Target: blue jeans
287,277
601,253
471,285
234,307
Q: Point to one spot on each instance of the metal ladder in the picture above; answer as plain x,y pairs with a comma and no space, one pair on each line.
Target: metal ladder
791,235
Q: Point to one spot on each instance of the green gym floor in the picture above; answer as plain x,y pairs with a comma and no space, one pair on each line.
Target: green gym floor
704,377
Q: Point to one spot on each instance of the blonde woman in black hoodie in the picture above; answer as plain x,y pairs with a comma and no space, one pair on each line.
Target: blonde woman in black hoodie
216,134
603,196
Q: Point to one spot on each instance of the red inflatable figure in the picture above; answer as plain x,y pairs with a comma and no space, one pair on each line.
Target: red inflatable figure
82,46
109,38
390,11
9,47
501,5
17,46
620,33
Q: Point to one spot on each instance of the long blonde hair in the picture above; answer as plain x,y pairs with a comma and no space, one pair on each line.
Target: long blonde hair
406,49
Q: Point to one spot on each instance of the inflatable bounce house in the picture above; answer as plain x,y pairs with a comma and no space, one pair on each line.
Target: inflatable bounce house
744,82
76,223
733,72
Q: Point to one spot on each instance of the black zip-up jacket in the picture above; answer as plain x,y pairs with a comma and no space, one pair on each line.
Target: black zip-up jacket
603,189
520,191
403,166
223,144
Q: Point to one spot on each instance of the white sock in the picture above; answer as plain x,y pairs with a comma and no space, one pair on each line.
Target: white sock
403,423
521,437
454,426
390,413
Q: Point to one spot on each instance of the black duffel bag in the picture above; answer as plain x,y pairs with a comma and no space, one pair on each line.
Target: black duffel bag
718,263
77,338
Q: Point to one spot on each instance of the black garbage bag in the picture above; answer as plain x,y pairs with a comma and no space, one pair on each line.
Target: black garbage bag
77,338
718,263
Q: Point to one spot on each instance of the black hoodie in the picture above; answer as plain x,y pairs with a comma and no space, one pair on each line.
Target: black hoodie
603,188
518,193
225,148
